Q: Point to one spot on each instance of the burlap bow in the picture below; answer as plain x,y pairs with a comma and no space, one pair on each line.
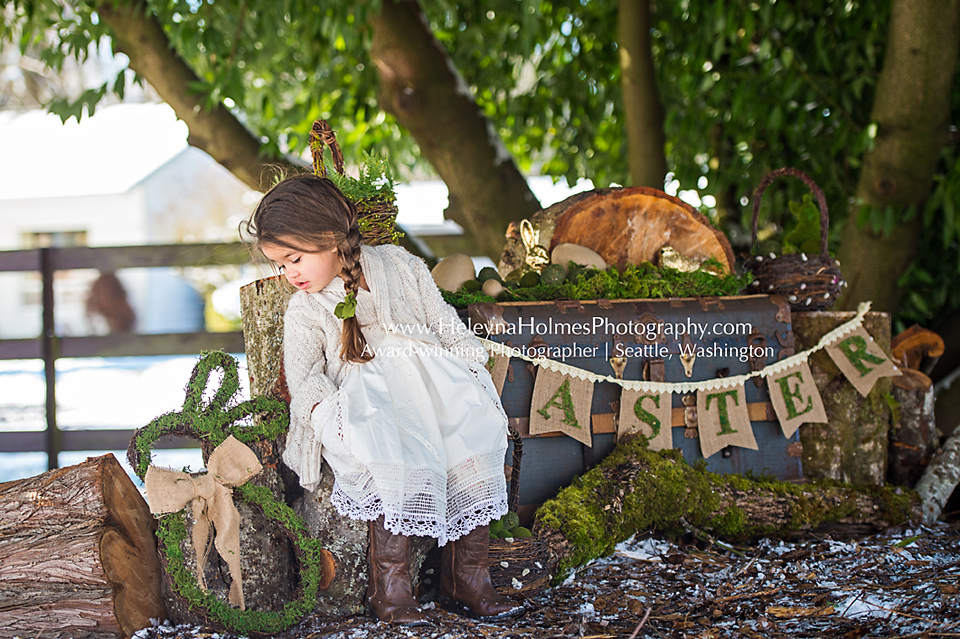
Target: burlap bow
231,464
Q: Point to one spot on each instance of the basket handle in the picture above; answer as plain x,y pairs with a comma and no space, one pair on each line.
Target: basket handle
817,192
322,135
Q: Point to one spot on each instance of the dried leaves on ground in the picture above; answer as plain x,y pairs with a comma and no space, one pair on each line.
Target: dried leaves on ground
903,583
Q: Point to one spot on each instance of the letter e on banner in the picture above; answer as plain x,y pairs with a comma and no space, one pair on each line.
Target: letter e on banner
860,359
646,414
723,420
561,404
795,398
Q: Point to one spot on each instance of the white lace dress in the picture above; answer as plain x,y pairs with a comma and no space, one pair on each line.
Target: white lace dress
417,435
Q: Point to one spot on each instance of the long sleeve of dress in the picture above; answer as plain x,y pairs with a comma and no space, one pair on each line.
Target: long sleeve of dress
304,364
443,320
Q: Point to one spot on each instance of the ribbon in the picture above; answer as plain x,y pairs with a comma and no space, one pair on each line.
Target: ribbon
211,496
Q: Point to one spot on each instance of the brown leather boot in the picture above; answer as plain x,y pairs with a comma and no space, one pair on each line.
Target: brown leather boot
465,577
389,593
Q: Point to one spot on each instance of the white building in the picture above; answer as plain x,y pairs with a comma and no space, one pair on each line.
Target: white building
123,177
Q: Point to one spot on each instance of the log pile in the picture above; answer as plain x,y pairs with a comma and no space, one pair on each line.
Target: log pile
77,554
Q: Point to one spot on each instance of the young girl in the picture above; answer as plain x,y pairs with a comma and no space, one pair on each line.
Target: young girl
391,389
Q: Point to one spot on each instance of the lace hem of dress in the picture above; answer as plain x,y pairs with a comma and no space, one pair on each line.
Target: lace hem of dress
420,503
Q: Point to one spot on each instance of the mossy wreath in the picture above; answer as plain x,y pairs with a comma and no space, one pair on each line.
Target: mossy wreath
213,423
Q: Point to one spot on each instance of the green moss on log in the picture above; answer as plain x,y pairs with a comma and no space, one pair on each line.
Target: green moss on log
636,489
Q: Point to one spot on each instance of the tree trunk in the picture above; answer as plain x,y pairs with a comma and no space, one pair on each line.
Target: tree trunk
641,99
852,446
78,554
635,490
138,34
912,113
421,88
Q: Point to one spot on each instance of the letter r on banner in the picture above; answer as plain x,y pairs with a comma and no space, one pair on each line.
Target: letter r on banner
860,359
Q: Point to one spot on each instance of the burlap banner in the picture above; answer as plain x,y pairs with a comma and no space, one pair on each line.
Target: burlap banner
561,404
795,398
648,415
724,420
860,359
498,365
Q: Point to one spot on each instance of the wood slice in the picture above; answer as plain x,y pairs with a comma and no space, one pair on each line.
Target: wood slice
625,226
77,554
631,225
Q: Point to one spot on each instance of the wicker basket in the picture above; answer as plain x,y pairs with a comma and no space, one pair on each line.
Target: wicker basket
377,216
518,565
809,283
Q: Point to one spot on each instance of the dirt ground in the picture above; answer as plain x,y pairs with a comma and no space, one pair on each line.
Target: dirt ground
902,583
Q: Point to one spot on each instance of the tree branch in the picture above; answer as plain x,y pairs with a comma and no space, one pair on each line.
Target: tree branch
216,131
421,88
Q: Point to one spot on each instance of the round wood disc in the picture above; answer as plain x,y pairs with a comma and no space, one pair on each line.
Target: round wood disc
631,225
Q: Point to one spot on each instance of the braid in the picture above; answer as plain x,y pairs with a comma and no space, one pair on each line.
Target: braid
354,347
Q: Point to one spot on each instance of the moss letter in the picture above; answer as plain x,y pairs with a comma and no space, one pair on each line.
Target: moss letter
854,348
722,408
791,398
562,400
647,417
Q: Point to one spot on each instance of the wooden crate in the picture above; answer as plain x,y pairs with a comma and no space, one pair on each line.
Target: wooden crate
551,461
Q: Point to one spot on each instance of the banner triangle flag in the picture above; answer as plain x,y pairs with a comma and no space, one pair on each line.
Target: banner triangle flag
648,415
723,420
795,398
561,404
498,365
861,360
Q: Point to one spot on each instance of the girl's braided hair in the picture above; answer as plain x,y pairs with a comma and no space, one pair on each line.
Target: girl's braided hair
313,212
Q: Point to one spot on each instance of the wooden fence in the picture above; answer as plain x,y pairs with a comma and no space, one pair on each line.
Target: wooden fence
49,346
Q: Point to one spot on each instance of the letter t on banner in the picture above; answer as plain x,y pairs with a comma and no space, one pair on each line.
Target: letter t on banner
795,398
724,420
648,415
860,359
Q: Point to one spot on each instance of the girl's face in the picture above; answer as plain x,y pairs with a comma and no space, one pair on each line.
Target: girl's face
303,266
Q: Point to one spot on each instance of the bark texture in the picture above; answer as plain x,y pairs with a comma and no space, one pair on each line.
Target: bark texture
914,438
852,446
421,88
912,113
78,554
641,99
138,34
635,490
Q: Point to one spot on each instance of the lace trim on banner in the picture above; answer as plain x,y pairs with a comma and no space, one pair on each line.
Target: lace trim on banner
685,387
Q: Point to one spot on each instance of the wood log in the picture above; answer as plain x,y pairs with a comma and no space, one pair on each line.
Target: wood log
77,554
940,479
852,446
913,439
635,490
625,226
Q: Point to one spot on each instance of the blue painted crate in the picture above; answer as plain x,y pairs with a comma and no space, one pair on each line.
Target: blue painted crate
550,462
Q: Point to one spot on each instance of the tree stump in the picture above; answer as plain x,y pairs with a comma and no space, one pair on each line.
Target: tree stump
263,304
77,554
852,446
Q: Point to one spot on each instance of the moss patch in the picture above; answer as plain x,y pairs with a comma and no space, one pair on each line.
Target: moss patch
643,281
635,489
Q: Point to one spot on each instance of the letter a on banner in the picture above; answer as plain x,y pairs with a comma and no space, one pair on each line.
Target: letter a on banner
497,366
561,404
860,359
724,420
795,398
647,415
